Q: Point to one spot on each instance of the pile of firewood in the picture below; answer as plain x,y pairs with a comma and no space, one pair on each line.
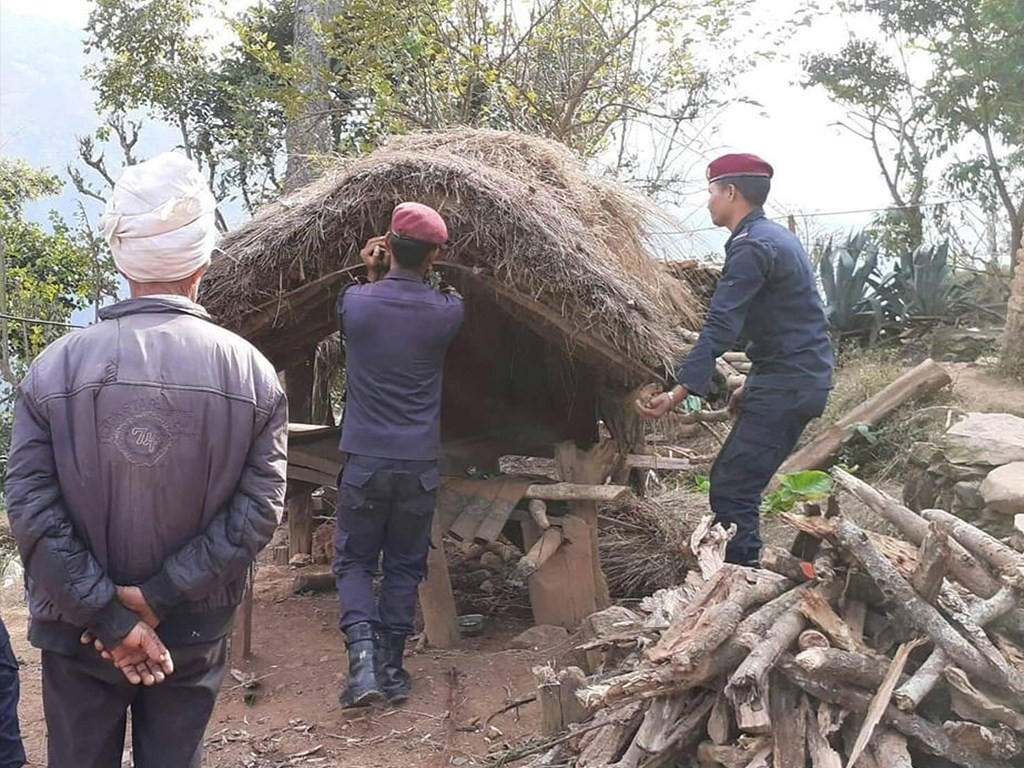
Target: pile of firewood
851,649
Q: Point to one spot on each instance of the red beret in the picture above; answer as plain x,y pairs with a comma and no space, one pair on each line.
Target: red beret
419,222
728,166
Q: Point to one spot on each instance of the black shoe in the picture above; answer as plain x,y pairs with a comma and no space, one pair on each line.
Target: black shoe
394,680
362,688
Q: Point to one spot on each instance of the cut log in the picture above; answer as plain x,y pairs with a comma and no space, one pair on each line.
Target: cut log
909,695
570,680
963,566
812,638
889,748
662,463
998,742
1008,562
658,722
969,702
922,381
932,563
785,563
540,552
616,728
738,755
880,701
821,753
919,614
684,734
747,686
928,736
789,715
820,613
838,667
855,613
539,513
549,699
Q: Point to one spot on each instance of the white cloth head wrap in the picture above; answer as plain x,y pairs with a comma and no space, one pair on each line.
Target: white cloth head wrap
159,221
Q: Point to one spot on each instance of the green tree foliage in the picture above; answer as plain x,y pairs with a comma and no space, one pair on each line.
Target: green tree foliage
46,274
585,73
965,107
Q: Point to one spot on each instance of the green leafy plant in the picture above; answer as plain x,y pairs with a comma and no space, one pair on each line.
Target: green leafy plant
865,431
702,483
848,273
921,284
798,487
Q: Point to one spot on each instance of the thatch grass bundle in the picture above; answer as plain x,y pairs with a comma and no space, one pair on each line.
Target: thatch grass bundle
521,210
644,542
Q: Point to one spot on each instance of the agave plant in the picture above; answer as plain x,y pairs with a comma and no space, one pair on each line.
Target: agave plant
848,274
921,284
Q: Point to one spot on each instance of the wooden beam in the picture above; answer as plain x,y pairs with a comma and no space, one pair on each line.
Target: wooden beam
540,552
925,379
663,463
575,492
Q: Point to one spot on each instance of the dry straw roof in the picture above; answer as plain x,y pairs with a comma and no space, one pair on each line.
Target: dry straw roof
522,211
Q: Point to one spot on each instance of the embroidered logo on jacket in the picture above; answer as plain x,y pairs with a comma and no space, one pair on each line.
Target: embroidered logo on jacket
144,430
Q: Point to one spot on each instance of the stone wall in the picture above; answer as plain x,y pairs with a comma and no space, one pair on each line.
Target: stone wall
949,473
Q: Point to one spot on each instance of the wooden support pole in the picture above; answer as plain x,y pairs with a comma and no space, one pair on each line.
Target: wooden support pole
298,385
436,599
591,466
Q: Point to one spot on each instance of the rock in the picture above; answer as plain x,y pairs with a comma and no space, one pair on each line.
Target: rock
492,560
1003,489
960,345
985,438
967,497
541,636
488,587
610,621
924,454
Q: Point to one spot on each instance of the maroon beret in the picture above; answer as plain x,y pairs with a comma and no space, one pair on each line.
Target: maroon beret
419,222
728,166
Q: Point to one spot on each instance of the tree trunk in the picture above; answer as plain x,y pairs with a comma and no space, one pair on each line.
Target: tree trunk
1013,338
308,132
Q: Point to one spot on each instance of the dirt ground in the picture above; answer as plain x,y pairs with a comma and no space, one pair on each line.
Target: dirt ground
294,718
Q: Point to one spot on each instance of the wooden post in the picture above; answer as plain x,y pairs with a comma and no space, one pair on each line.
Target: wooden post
436,600
298,384
576,466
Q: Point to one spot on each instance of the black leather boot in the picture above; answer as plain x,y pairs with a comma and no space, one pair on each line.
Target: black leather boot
395,682
362,688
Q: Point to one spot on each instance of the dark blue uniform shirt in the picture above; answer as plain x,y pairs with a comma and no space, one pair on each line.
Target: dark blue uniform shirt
768,296
396,332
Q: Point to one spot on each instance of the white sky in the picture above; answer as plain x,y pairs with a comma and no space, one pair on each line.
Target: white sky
819,167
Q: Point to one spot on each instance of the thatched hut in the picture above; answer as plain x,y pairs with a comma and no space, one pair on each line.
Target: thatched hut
567,307
567,312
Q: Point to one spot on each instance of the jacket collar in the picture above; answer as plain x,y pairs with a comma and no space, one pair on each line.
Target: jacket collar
153,305
401,273
746,221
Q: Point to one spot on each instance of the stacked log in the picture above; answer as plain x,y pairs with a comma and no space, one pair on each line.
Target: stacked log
864,650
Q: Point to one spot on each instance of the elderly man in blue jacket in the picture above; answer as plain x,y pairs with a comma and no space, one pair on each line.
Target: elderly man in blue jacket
766,295
147,470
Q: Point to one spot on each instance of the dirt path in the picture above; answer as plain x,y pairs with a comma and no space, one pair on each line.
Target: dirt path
979,390
294,719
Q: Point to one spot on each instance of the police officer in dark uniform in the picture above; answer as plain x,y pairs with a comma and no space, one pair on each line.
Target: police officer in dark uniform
396,330
12,753
768,296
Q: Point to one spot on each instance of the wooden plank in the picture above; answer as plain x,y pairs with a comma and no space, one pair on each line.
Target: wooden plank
665,463
559,595
437,603
577,466
312,477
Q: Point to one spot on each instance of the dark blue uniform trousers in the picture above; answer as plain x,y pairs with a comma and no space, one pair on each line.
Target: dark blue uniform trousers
767,430
12,754
384,506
